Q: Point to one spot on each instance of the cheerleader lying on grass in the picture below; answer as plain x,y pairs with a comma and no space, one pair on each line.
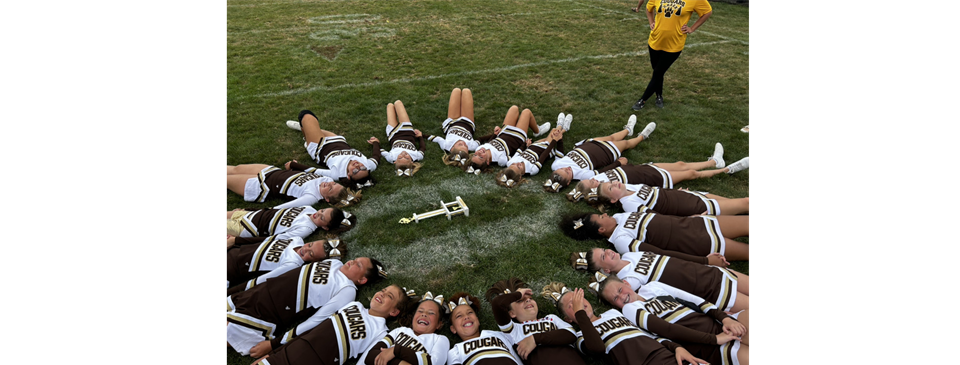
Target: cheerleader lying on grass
253,260
504,142
458,129
289,222
406,143
259,182
416,341
344,163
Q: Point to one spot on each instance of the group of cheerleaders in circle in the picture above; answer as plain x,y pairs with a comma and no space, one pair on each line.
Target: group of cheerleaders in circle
674,299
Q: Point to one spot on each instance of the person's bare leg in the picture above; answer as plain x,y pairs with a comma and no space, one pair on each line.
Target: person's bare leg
526,120
736,250
466,104
627,144
680,165
733,206
402,116
392,115
312,131
513,114
743,356
743,282
744,319
453,109
733,226
619,136
236,183
742,303
687,175
247,169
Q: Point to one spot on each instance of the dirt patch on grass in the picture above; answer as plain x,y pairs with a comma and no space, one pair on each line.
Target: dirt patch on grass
328,52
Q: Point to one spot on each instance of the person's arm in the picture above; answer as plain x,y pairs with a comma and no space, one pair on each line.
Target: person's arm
340,300
547,152
294,165
420,139
651,15
376,150
306,199
591,337
672,331
328,173
485,139
501,316
557,337
689,30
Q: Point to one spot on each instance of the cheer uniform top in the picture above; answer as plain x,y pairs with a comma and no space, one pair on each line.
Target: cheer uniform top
716,283
249,265
336,154
671,16
402,139
534,156
306,296
505,144
461,129
668,201
273,182
554,336
638,174
349,332
491,348
699,236
425,349
285,223
614,335
589,159
682,308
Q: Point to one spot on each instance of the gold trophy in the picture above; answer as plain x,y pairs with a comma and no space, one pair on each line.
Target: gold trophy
449,209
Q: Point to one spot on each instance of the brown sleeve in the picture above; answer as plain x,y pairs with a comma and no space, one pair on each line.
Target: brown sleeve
719,315
502,301
401,353
591,337
376,152
486,138
373,352
240,241
422,148
559,147
612,166
298,166
236,288
677,332
556,337
670,345
547,152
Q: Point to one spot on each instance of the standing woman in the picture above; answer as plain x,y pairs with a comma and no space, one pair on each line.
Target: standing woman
403,153
327,148
458,129
546,340
668,34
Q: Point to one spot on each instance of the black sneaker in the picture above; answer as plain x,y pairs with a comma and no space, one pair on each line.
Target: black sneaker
659,101
638,105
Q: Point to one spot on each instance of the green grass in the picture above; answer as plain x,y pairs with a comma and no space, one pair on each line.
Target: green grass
584,57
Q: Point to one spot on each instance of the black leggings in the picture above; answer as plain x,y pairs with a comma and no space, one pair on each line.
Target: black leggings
660,61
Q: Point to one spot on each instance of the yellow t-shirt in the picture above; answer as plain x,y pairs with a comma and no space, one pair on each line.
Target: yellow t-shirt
671,16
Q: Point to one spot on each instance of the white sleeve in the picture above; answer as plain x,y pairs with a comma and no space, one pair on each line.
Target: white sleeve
286,266
304,200
438,354
326,172
340,300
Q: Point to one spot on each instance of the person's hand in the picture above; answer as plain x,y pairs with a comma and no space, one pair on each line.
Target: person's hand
372,140
716,259
260,360
496,130
385,356
684,355
622,160
723,338
529,142
261,349
556,133
577,300
734,328
416,132
527,293
635,10
686,30
651,25
525,347
287,165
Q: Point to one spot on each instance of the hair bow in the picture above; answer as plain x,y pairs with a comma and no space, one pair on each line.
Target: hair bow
380,271
334,252
503,179
462,301
593,195
346,221
582,261
556,296
410,292
576,194
436,299
595,286
361,186
403,172
578,223
471,170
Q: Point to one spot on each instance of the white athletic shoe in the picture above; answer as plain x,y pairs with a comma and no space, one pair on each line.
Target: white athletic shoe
560,120
718,156
566,122
292,124
544,129
647,130
630,123
738,166
745,129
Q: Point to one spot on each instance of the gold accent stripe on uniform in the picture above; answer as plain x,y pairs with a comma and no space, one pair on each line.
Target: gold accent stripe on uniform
249,226
644,222
251,284
388,340
635,245
728,285
621,175
654,196
677,314
485,354
659,266
514,132
289,181
508,329
425,358
726,353
258,255
276,220
713,230
340,326
262,178
612,147
585,157
303,285
264,329
624,334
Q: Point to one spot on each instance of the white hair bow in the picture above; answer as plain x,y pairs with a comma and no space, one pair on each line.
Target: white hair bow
578,223
463,301
471,170
403,172
346,221
334,252
582,261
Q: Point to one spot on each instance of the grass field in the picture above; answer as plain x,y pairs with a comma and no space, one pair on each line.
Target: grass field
345,60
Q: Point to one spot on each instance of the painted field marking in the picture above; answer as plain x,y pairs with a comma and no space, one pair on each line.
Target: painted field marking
454,246
464,73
